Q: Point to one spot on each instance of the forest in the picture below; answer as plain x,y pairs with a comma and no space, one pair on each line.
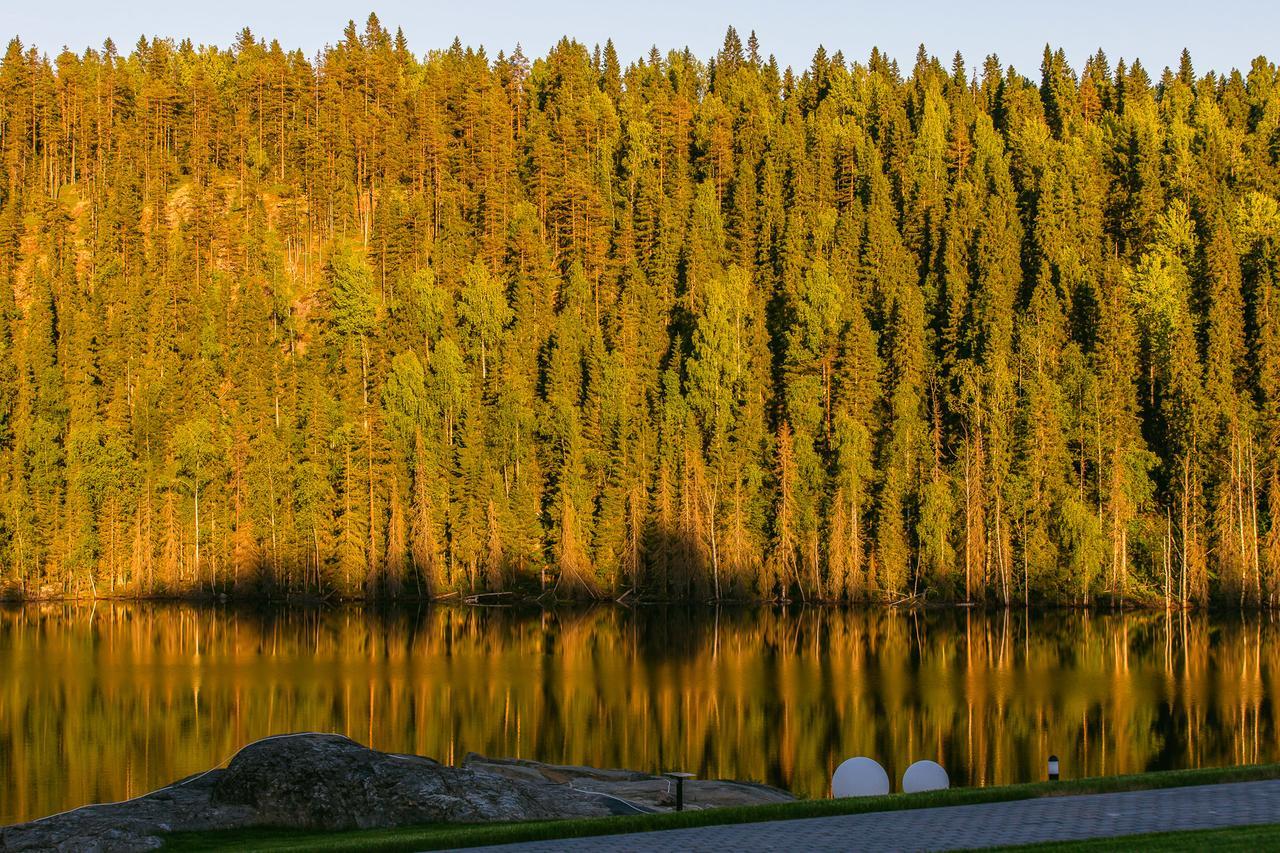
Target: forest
375,324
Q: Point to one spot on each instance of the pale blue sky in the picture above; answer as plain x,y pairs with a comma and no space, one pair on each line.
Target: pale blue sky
1220,33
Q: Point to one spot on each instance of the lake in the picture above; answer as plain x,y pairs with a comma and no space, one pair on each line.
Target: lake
105,702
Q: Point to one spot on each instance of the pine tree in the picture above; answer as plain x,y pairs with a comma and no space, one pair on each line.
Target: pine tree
393,324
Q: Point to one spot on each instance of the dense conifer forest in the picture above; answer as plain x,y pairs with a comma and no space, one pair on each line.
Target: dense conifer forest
376,323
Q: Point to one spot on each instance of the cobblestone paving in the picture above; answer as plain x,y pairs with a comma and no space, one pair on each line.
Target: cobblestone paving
964,827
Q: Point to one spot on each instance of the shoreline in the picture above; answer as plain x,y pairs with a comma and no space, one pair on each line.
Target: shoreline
550,602
474,835
267,796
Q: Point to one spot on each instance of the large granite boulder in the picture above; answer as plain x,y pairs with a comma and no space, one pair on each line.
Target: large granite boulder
330,782
307,781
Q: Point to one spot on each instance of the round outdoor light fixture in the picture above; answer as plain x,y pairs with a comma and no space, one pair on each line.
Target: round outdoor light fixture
859,777
925,776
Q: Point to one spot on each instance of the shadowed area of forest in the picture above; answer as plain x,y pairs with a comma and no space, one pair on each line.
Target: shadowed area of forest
109,701
386,324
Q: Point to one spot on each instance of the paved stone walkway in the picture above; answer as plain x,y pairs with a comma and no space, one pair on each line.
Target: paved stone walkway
964,827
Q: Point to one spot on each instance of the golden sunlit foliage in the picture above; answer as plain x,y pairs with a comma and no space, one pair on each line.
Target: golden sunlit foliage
385,324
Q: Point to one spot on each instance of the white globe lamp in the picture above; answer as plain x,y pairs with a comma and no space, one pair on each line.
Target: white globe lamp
859,777
925,776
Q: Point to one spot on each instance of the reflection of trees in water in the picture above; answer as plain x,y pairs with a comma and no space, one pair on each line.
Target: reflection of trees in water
104,702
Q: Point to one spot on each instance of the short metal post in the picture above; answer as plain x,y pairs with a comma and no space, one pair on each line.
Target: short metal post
1053,768
679,779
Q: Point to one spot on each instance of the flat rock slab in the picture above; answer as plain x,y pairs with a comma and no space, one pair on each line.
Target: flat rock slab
308,781
648,792
660,794
133,825
563,774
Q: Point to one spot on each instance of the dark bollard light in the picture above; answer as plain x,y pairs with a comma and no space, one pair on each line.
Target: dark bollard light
679,777
1053,768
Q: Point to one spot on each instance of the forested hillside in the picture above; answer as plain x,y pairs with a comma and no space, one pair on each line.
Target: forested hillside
386,324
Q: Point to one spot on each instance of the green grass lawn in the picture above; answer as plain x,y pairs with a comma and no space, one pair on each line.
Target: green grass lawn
1262,837
446,836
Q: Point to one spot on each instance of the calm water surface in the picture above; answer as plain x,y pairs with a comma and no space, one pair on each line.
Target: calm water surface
107,702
